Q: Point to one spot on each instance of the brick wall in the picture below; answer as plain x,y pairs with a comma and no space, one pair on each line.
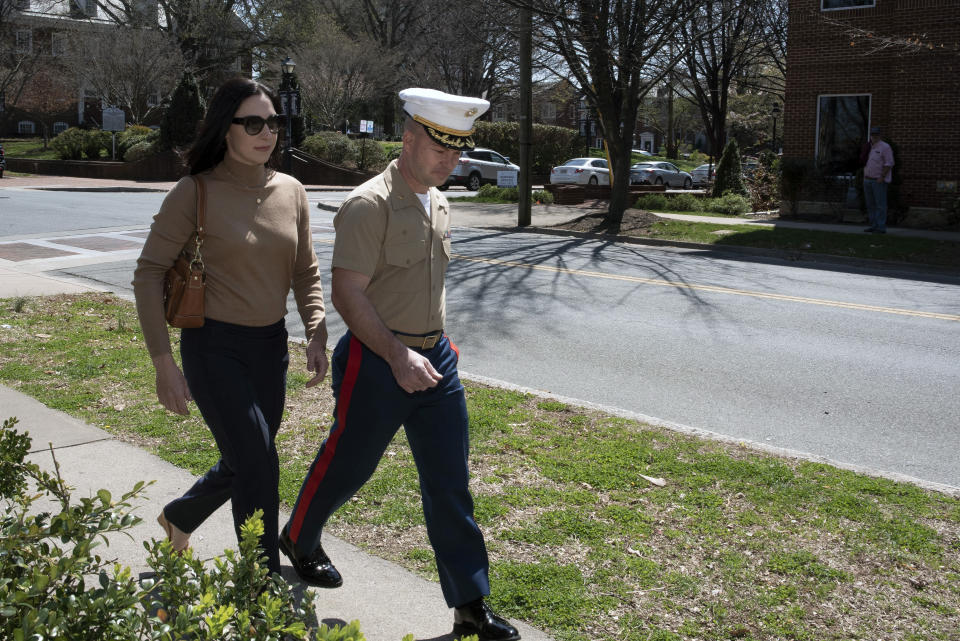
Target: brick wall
915,96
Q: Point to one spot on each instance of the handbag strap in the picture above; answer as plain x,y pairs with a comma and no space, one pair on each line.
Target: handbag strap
201,220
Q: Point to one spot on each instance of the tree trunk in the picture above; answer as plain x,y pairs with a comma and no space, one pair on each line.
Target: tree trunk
619,150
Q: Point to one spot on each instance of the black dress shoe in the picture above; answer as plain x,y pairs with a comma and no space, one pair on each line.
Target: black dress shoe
477,618
315,569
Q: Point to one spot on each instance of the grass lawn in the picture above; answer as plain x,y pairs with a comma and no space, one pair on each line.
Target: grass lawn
584,540
922,251
27,148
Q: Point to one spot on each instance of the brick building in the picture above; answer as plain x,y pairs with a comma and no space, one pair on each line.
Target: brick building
40,35
853,64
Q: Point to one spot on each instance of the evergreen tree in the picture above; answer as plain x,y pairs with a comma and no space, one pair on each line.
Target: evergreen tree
729,173
179,124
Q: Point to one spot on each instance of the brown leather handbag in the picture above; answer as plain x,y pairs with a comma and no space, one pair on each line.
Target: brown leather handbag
185,283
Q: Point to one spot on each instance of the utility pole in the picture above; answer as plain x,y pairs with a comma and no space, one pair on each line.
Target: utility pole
525,182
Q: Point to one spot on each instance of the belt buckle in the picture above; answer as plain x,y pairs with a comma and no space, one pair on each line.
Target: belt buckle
429,341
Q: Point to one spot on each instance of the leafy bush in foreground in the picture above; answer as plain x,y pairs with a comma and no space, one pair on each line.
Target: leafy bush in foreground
54,584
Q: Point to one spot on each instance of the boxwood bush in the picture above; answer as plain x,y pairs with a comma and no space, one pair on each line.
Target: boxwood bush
69,144
331,146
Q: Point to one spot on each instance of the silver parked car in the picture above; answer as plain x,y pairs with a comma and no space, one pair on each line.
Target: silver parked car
581,171
704,175
477,167
659,173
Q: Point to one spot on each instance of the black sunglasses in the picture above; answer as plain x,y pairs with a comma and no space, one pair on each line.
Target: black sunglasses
254,124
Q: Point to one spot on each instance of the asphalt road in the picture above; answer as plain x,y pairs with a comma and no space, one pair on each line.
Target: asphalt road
857,367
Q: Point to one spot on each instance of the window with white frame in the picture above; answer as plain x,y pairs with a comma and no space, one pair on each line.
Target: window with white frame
59,127
24,41
153,99
26,127
237,65
499,113
548,111
58,44
842,124
830,5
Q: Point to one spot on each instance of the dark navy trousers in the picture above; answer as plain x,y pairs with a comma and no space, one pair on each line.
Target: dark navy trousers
237,376
370,408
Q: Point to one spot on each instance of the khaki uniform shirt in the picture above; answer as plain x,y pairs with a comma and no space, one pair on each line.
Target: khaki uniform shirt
383,232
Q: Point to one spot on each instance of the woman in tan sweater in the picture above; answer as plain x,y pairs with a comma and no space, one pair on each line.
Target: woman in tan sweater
258,244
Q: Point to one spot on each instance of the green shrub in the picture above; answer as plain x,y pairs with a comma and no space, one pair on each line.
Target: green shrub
370,155
139,151
729,203
493,193
55,585
685,202
698,157
185,111
331,146
765,184
315,145
543,197
151,138
95,141
652,202
729,176
69,144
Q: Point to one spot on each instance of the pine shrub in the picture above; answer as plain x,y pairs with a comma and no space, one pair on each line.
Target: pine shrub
185,111
729,176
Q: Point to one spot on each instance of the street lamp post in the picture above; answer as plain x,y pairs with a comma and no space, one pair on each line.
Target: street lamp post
774,111
289,103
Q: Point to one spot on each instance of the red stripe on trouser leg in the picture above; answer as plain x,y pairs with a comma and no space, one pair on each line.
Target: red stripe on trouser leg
320,469
453,347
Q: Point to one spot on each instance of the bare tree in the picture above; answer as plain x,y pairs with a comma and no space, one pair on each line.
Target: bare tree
723,41
473,52
336,72
394,30
210,34
130,68
613,50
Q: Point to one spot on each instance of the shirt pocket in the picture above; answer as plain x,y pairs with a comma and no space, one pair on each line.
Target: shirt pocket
405,254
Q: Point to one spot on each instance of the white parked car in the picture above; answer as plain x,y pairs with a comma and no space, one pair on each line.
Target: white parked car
477,167
704,175
581,171
659,173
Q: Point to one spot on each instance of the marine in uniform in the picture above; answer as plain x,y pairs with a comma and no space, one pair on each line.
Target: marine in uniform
396,366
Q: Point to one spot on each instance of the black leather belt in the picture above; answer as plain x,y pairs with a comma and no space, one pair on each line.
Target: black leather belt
420,342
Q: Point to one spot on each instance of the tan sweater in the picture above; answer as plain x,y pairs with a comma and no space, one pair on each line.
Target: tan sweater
258,243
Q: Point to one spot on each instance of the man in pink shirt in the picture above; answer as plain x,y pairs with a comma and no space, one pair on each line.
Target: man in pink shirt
877,174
